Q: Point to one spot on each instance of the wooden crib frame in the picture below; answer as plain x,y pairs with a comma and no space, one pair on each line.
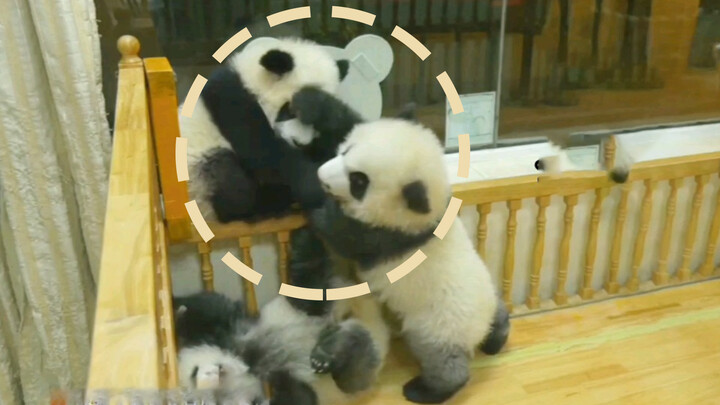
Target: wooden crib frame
133,337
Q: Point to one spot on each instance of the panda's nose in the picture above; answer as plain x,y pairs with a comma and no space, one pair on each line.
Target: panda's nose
539,165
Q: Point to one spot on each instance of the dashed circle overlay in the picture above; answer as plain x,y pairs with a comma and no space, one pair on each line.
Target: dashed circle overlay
314,294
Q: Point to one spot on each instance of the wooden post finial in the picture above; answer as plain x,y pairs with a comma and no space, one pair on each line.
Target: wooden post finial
129,48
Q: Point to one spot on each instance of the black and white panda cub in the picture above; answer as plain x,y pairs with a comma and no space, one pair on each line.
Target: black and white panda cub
388,190
249,158
224,353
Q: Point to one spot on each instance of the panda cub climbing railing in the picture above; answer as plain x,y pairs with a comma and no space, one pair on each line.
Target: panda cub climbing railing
134,329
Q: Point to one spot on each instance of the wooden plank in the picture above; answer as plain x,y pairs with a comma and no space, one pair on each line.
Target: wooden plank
126,351
596,354
166,129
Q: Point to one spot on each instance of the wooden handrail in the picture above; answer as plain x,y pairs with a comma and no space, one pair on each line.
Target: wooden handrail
569,183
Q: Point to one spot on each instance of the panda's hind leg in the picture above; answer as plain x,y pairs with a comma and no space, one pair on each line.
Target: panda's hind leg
444,371
348,352
499,331
288,390
232,192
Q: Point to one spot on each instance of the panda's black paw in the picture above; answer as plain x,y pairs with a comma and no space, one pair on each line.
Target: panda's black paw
322,357
418,391
308,105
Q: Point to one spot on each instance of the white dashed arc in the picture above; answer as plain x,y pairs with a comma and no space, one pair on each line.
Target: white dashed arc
236,264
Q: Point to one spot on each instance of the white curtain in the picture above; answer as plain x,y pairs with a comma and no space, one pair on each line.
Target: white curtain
54,160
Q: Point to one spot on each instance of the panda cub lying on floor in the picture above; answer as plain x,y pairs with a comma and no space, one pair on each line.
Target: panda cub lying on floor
388,190
228,354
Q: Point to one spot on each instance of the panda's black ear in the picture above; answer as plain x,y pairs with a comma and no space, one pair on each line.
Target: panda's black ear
408,112
278,62
344,67
415,195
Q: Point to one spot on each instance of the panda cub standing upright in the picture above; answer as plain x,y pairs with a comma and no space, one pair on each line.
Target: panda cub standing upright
249,158
387,192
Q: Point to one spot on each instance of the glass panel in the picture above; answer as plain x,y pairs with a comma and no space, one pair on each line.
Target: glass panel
463,36
567,66
604,65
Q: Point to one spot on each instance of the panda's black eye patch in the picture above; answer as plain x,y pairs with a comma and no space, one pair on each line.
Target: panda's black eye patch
359,182
416,197
194,373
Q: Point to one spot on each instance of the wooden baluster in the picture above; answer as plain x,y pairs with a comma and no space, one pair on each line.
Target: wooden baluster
613,286
251,302
510,253
634,283
206,267
483,211
685,271
284,243
709,265
533,300
609,148
588,292
662,275
560,293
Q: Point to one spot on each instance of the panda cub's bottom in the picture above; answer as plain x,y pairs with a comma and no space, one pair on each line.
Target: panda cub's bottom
310,352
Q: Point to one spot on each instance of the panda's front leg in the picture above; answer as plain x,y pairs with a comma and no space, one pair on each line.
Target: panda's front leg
324,112
348,352
444,371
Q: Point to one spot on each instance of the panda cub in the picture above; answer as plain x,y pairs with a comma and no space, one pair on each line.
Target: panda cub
290,345
388,190
560,161
249,157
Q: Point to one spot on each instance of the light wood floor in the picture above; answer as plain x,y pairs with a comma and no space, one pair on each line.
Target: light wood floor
656,349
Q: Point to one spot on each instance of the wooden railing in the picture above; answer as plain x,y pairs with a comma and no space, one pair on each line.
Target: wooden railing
133,345
570,186
133,337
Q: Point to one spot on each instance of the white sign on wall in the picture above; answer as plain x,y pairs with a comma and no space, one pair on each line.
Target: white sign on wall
585,157
477,119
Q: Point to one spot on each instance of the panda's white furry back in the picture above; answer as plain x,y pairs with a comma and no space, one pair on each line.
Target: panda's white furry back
241,109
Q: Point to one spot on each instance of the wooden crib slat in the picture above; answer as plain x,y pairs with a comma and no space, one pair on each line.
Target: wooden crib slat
166,129
509,265
588,292
685,271
646,208
662,275
533,300
283,257
709,264
483,211
206,267
612,285
570,203
251,302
